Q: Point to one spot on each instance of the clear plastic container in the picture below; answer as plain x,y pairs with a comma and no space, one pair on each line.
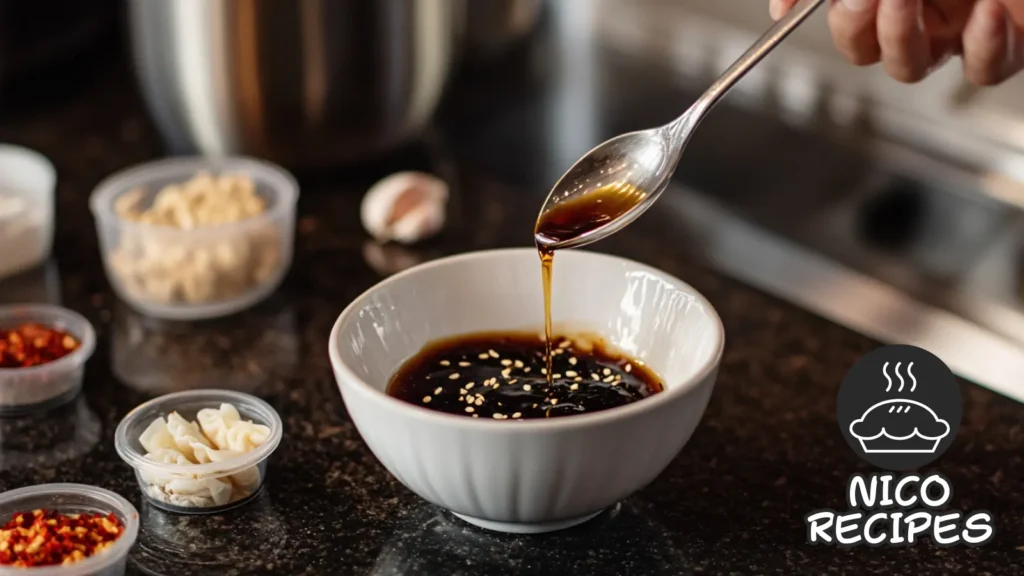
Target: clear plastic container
198,488
203,272
69,499
24,390
27,182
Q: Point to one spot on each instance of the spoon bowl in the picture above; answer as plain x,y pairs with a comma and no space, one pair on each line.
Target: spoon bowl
641,163
643,160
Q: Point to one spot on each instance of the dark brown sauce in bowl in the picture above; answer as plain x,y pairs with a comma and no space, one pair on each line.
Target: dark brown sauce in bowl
503,376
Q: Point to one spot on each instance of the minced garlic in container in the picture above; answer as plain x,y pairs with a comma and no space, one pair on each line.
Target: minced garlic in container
155,264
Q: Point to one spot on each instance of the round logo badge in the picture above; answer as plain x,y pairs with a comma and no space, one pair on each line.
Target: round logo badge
899,407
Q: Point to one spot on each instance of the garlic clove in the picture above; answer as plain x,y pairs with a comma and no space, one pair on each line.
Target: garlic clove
405,207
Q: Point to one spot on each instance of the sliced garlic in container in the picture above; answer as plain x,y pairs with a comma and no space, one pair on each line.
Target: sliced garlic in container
405,207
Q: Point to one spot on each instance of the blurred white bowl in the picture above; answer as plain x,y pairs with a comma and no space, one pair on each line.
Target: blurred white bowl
534,475
27,184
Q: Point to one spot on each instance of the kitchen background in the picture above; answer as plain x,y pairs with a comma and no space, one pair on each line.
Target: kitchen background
891,197
891,210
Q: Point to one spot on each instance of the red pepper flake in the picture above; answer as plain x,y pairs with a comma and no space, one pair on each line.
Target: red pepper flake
49,538
33,344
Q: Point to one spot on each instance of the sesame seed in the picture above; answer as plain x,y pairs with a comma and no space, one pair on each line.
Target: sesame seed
507,372
464,364
518,363
445,363
497,416
543,370
556,376
453,376
461,398
506,362
426,399
618,377
572,360
629,367
534,405
527,387
476,415
512,381
469,409
609,379
606,371
595,376
479,402
554,401
470,385
565,344
570,373
574,387
492,353
483,356
438,390
578,379
526,370
517,414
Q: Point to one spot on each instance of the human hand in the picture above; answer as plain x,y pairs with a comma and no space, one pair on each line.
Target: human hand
913,37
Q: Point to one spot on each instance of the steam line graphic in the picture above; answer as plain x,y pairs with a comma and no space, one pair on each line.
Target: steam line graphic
913,380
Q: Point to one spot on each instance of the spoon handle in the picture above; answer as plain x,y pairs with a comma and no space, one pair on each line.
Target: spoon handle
765,44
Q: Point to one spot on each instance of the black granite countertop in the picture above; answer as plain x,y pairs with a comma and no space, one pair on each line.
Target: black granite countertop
767,452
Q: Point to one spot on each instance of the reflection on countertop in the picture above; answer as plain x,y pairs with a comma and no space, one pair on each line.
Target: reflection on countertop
244,352
431,541
43,441
199,545
39,285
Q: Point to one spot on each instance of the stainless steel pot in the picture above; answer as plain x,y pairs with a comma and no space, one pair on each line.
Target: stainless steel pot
300,82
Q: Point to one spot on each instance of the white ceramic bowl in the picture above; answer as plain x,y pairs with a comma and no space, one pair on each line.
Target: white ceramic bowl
533,475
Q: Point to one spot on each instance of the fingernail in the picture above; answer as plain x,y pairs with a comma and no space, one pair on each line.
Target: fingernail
858,5
773,9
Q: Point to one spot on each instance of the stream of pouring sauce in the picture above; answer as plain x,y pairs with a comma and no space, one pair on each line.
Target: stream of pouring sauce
570,219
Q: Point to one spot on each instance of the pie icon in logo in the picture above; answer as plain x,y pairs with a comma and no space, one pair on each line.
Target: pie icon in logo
891,419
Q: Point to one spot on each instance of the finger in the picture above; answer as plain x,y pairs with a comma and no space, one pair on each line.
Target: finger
906,54
988,44
853,30
778,8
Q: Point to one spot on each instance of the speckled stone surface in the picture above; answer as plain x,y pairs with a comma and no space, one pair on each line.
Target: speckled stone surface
767,452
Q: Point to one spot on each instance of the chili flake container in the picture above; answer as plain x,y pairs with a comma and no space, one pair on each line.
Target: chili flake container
43,386
72,499
194,488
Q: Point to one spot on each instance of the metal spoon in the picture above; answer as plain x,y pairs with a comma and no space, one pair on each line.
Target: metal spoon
647,159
